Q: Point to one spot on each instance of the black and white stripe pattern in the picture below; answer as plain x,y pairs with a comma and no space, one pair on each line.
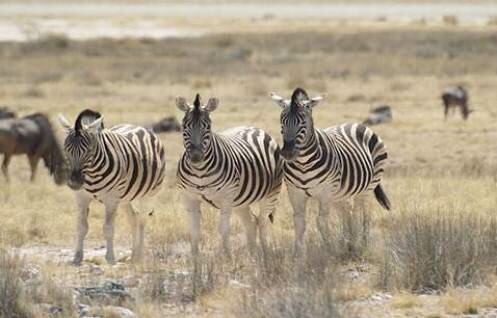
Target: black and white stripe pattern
114,166
332,164
229,170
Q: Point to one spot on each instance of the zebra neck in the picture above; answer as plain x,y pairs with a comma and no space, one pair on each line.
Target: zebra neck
310,151
210,162
100,159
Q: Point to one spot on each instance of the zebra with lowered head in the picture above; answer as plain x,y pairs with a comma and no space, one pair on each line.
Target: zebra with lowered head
230,170
332,164
115,166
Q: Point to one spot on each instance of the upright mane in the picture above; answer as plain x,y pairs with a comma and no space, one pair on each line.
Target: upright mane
299,95
86,117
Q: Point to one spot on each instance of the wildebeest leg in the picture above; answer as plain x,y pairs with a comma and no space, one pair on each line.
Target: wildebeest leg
108,229
33,162
446,109
83,201
5,166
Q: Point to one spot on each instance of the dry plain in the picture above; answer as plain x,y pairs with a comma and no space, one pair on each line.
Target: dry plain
433,255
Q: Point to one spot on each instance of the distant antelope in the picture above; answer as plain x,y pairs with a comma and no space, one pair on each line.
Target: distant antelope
453,97
332,164
119,165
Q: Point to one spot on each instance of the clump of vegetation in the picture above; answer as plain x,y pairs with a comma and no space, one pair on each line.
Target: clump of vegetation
22,296
426,252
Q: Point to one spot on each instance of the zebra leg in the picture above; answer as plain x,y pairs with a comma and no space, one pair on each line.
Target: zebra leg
267,209
133,223
192,205
322,222
5,166
83,201
298,200
108,229
33,163
224,230
250,224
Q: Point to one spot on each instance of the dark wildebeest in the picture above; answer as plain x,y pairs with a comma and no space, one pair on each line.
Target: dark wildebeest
33,136
166,124
456,96
6,113
379,115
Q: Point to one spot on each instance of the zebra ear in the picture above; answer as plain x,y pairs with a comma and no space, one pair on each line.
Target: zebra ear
211,104
64,122
95,127
279,100
315,100
182,104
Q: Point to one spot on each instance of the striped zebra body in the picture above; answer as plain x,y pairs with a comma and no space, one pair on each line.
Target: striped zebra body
116,166
243,168
344,161
231,170
129,165
331,165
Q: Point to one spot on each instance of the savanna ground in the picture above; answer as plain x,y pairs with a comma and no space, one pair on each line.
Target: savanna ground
433,255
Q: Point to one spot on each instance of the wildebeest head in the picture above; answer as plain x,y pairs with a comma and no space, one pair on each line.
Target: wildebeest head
81,144
296,121
196,126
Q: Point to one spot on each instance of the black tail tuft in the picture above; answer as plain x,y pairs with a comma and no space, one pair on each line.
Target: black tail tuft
271,218
382,197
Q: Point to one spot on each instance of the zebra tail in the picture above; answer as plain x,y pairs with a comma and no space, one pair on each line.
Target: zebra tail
382,197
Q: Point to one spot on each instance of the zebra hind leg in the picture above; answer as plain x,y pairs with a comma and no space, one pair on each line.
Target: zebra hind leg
323,217
133,223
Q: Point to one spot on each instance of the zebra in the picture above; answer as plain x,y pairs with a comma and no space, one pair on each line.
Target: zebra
115,166
230,171
332,164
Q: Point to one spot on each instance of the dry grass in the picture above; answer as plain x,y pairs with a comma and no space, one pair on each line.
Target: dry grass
441,181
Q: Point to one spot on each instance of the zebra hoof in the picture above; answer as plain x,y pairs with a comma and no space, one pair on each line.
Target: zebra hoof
78,259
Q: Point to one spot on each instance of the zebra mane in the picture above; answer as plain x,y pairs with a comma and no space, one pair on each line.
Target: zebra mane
196,102
299,94
86,117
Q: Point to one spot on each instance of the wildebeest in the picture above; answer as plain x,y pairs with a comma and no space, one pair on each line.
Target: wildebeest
33,136
379,115
456,96
166,124
6,113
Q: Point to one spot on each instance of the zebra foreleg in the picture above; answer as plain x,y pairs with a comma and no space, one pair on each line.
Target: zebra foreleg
108,229
83,201
224,231
298,200
322,222
192,205
250,224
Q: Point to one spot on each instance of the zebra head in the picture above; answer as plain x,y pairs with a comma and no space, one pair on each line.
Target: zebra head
81,144
296,121
196,126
